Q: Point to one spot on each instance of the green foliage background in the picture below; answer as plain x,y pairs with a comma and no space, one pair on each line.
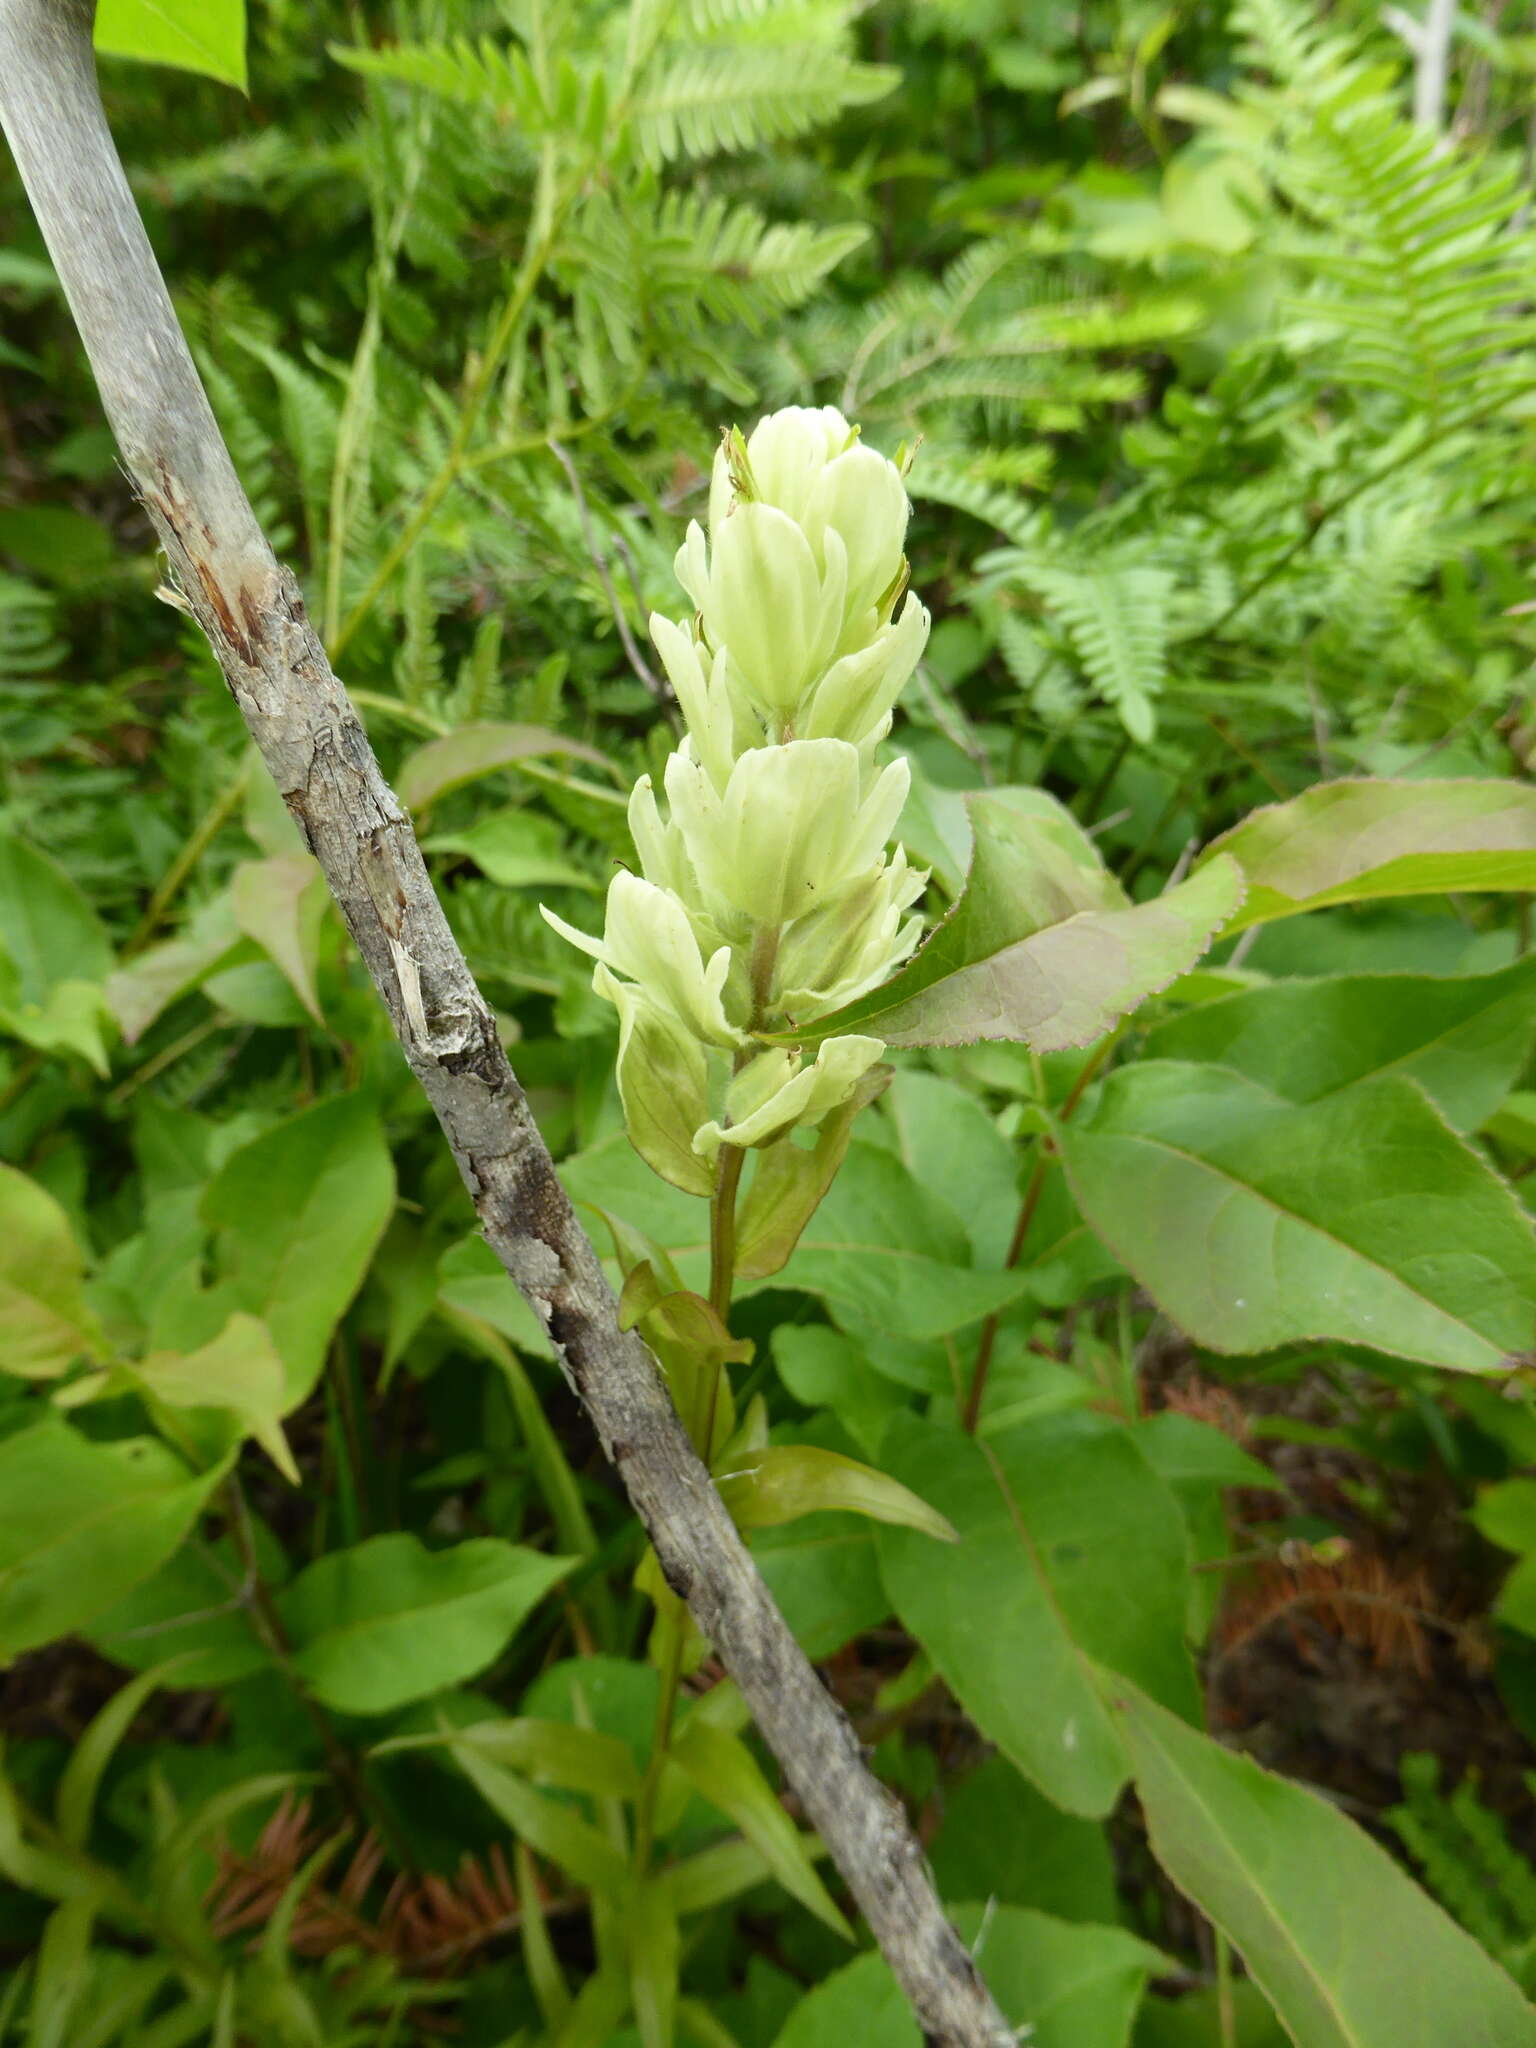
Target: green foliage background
1206,1337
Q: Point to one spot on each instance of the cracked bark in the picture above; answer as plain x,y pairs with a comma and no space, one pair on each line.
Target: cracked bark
319,756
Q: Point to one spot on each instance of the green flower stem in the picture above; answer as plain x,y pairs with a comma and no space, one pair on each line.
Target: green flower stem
722,1244
674,1615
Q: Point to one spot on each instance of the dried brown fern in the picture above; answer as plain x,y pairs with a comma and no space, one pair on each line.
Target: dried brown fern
426,1922
1348,1595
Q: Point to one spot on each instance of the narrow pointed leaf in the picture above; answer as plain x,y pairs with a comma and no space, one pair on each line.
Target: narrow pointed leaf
786,1481
1351,1952
654,1961
724,1770
577,1759
549,1826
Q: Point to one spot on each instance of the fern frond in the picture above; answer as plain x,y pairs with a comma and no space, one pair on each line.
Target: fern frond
707,101
1466,1858
670,267
29,646
478,74
945,482
1424,261
311,415
1114,617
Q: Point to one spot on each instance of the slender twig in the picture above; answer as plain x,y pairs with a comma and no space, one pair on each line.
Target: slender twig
201,838
535,258
318,754
599,561
987,1342
266,1620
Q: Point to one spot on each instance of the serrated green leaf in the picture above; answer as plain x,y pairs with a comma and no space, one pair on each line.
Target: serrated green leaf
1042,948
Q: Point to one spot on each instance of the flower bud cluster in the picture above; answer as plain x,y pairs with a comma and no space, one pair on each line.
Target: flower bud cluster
766,898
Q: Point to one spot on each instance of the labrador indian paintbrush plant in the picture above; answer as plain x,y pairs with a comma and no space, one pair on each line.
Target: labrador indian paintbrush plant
767,896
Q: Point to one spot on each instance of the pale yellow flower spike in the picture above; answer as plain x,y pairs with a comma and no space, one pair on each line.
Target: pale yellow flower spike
767,896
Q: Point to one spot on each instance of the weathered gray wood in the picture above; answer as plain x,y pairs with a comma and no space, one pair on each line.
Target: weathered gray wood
318,754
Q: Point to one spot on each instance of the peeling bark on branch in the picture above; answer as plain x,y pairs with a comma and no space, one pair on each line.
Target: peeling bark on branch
319,756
